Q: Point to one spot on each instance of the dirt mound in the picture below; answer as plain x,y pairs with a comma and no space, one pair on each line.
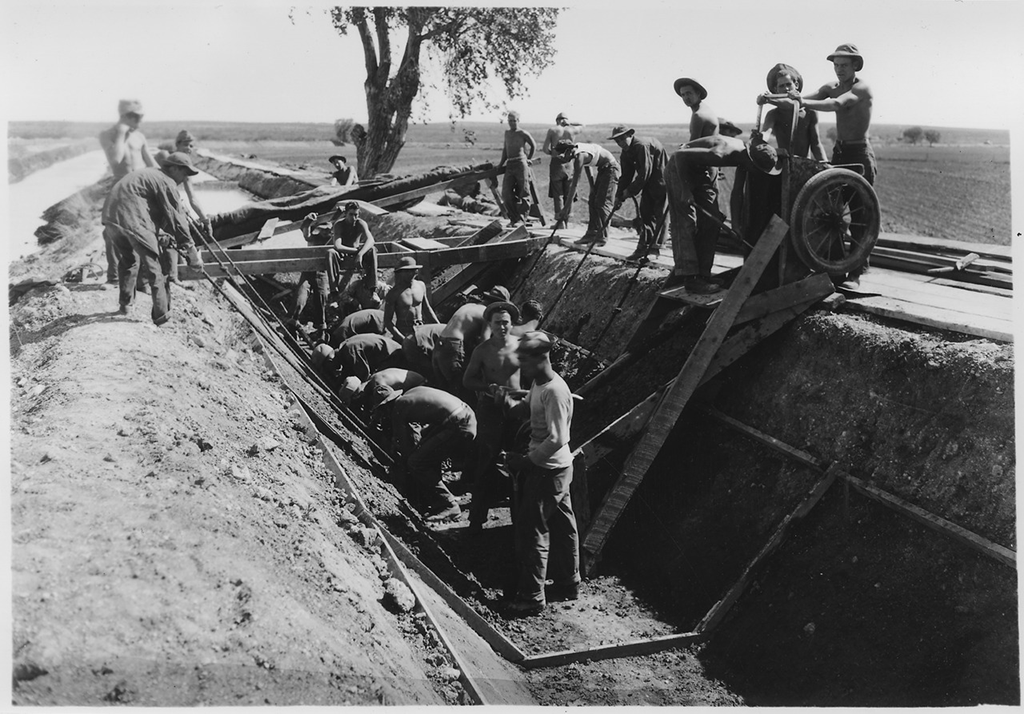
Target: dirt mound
176,537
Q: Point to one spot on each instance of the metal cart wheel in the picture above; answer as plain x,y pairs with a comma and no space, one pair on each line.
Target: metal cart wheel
835,221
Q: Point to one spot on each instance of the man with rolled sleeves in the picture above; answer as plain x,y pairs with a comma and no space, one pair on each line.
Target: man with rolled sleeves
141,204
547,539
643,167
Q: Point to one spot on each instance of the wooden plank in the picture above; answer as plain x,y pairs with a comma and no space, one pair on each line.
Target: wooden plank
757,306
750,335
936,245
485,234
681,294
267,230
501,644
938,523
439,187
672,404
978,325
279,229
720,608
457,282
938,260
953,298
626,649
423,243
792,452
915,266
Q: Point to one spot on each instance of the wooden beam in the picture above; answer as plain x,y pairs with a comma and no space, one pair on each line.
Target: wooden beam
672,404
267,230
626,649
792,452
971,540
439,187
501,644
720,608
944,245
253,237
485,234
756,306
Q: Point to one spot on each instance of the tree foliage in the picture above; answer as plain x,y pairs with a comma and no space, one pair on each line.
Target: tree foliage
473,46
913,134
341,129
932,137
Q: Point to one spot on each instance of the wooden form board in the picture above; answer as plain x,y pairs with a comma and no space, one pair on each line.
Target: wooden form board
796,454
440,187
625,649
938,318
255,262
671,406
972,540
472,271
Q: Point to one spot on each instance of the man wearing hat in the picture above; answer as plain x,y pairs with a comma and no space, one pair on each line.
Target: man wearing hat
428,426
547,540
406,305
126,150
466,328
140,205
493,369
694,236
643,167
558,187
851,99
199,223
343,174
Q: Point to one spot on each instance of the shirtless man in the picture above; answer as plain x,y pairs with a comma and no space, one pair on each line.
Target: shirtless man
558,188
418,349
464,331
516,153
493,369
693,235
531,315
126,150
602,193
850,98
406,305
367,395
352,238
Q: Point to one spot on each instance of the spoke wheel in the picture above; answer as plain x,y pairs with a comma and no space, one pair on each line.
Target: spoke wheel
835,222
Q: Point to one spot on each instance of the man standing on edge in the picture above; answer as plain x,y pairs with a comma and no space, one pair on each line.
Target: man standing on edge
558,188
516,153
694,236
126,150
643,169
850,98
545,520
139,204
585,157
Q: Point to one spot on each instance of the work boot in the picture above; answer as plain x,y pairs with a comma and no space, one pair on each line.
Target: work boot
698,286
562,593
524,608
585,240
444,512
636,255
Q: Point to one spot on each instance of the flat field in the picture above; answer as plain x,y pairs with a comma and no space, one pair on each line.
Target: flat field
959,189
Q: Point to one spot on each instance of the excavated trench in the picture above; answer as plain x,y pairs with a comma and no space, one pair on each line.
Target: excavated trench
860,603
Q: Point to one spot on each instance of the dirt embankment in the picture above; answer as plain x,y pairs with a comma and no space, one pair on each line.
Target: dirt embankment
23,161
176,538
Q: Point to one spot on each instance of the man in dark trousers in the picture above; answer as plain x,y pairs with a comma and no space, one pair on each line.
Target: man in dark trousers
140,204
428,426
643,167
545,522
315,231
694,236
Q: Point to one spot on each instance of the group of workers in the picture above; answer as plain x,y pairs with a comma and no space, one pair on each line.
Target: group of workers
682,186
478,393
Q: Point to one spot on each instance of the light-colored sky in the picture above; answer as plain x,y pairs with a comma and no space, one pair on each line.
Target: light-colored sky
929,62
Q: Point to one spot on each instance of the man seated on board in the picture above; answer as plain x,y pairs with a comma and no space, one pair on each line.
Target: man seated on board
353,242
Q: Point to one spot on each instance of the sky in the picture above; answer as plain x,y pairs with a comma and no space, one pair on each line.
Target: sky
929,62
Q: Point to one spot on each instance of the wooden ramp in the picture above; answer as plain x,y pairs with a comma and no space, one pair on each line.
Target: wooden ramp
715,349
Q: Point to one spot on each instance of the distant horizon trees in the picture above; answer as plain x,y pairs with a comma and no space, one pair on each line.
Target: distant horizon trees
473,45
932,137
913,134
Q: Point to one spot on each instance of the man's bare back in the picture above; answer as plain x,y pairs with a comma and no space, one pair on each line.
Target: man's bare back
466,324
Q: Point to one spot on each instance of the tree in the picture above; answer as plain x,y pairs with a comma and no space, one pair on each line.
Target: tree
341,129
932,137
832,134
472,45
913,134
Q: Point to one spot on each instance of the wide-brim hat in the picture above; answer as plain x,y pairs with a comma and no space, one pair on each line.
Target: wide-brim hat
849,50
620,131
408,263
180,158
781,68
689,82
508,307
336,158
499,293
764,157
